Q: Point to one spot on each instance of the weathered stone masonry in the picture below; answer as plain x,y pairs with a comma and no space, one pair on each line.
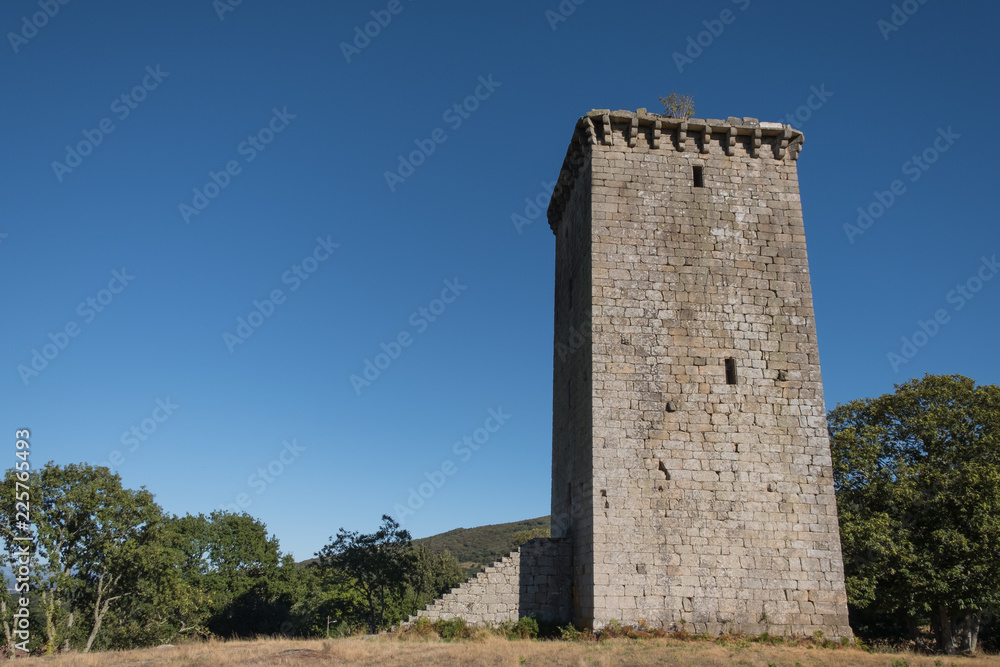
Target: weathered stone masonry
699,485
691,473
535,581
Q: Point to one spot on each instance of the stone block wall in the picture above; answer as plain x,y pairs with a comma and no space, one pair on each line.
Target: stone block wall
535,581
700,477
572,451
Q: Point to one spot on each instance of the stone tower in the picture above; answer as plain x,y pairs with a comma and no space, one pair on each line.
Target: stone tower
691,470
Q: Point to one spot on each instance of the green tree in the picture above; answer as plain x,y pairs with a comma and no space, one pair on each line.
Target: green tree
87,533
522,536
429,576
241,570
678,106
165,603
375,564
200,575
8,604
326,603
109,571
917,476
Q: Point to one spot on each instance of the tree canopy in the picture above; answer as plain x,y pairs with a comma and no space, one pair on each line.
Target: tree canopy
917,475
91,545
376,564
109,570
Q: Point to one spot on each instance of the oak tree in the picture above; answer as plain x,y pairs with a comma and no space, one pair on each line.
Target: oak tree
917,476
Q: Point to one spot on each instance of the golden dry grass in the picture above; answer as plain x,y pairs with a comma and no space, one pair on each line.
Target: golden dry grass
390,651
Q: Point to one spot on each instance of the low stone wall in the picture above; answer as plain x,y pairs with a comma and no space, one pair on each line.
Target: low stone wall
535,580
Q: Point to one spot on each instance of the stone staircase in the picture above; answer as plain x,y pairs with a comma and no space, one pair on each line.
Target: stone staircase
533,580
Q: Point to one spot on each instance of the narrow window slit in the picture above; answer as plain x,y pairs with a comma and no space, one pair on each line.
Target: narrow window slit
699,177
730,371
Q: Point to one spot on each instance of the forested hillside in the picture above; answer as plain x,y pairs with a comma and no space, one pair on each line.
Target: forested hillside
475,548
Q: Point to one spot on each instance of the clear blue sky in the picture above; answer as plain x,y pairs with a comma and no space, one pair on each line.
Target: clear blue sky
326,130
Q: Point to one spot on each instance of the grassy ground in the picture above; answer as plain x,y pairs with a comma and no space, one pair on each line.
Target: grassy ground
391,651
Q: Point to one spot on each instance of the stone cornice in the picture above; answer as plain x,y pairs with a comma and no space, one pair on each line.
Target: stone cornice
705,136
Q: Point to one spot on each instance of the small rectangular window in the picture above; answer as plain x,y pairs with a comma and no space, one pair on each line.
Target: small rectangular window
730,371
699,178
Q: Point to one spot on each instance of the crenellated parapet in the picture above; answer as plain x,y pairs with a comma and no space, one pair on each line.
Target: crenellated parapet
649,131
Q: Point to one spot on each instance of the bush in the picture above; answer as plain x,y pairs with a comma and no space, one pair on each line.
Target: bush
422,626
522,536
678,106
526,628
614,629
571,634
454,628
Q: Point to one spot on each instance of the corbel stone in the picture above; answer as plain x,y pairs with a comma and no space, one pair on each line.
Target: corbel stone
781,146
589,131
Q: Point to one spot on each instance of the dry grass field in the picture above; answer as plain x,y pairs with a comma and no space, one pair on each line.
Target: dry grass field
390,651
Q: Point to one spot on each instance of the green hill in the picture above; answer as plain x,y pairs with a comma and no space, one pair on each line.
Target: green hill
475,548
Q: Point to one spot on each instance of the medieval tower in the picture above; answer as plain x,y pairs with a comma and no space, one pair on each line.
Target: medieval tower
692,484
691,468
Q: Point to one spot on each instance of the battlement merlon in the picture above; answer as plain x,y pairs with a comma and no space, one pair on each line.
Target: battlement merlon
704,136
